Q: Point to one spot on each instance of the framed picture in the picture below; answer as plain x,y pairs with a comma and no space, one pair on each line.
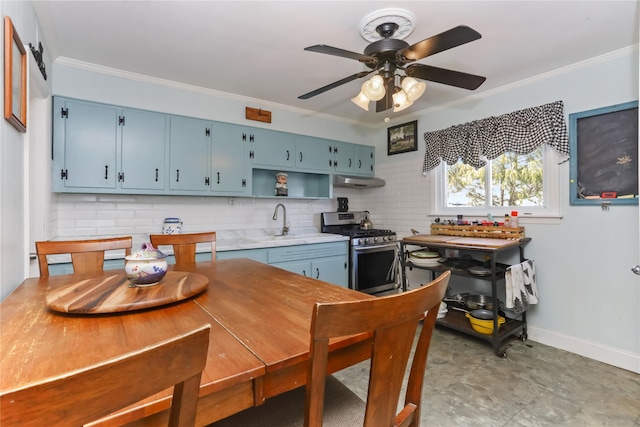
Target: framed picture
604,155
402,138
15,78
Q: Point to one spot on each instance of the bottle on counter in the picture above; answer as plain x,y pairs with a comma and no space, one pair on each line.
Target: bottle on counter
514,218
507,220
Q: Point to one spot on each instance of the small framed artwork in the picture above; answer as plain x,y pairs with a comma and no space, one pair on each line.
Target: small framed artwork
15,78
604,155
402,138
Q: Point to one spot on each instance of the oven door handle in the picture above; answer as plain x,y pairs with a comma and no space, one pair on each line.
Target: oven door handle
374,247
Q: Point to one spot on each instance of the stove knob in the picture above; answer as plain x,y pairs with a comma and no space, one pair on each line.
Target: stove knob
375,239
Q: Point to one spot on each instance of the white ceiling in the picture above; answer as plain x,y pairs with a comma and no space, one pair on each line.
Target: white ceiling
255,48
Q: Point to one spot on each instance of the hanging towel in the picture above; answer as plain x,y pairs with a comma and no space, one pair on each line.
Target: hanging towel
521,288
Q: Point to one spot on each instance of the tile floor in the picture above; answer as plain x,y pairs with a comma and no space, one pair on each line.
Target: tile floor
466,384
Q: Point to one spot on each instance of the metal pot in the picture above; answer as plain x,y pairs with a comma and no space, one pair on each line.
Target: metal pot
366,224
475,302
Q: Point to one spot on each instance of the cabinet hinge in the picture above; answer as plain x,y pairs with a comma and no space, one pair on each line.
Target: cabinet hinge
251,154
251,138
64,174
244,137
206,181
120,176
207,132
121,120
244,183
64,113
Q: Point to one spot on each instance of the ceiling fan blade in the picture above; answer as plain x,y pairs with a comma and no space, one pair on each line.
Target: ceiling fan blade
330,50
451,38
444,76
386,102
335,84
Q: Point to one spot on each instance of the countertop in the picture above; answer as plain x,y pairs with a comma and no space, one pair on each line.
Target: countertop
231,240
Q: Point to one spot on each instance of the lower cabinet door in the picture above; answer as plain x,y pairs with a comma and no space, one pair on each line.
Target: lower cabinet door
300,267
333,270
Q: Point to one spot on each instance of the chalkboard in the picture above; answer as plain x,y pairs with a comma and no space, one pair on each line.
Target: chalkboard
604,155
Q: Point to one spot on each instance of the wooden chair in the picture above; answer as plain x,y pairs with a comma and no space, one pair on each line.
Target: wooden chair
86,255
394,321
88,394
184,245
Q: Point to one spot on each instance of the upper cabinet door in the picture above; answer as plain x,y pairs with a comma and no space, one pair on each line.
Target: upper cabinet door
189,154
271,148
365,160
229,166
143,150
88,133
344,157
313,154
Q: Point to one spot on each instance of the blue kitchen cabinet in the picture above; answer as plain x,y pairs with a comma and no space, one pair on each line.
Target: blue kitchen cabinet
344,157
324,261
271,148
313,154
229,171
353,159
190,144
102,148
85,145
259,255
143,155
365,160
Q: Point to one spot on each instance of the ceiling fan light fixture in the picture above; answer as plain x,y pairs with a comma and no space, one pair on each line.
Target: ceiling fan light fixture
361,101
413,88
400,101
374,88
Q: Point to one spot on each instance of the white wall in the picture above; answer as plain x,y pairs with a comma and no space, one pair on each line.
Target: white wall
14,161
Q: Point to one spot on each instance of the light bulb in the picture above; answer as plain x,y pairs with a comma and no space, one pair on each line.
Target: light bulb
413,88
374,88
400,101
361,101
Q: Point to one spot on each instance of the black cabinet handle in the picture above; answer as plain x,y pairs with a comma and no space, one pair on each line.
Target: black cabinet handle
349,161
177,175
287,155
156,174
106,171
317,273
301,157
359,164
304,273
218,177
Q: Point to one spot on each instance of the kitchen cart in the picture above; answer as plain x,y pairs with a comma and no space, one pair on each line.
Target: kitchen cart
488,250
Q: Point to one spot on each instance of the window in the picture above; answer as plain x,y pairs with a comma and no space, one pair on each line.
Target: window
525,183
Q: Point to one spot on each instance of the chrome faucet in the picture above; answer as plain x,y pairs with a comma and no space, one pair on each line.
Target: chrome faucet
285,224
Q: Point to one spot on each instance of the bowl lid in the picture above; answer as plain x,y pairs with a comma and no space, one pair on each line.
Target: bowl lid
146,252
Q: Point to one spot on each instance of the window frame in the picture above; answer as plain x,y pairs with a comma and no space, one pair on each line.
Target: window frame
549,213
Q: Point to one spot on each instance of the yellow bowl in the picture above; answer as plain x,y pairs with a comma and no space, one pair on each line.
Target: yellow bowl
484,326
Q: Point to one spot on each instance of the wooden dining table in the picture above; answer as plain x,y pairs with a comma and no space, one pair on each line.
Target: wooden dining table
260,317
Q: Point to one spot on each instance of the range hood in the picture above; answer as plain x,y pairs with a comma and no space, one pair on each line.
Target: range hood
356,182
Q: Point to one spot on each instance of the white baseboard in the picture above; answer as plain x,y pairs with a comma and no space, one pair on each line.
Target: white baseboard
609,355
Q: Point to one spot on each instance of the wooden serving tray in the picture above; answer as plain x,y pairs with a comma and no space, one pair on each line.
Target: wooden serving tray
112,293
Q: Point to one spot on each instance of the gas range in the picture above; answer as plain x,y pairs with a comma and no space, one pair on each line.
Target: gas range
372,252
348,224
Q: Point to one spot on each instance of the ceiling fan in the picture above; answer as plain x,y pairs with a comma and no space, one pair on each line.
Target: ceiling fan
388,55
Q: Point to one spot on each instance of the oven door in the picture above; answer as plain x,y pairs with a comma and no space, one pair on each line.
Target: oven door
373,268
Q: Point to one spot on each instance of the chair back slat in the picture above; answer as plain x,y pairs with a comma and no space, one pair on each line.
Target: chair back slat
86,395
86,255
393,321
184,245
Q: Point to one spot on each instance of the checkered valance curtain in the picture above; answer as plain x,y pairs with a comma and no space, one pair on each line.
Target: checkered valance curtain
519,132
